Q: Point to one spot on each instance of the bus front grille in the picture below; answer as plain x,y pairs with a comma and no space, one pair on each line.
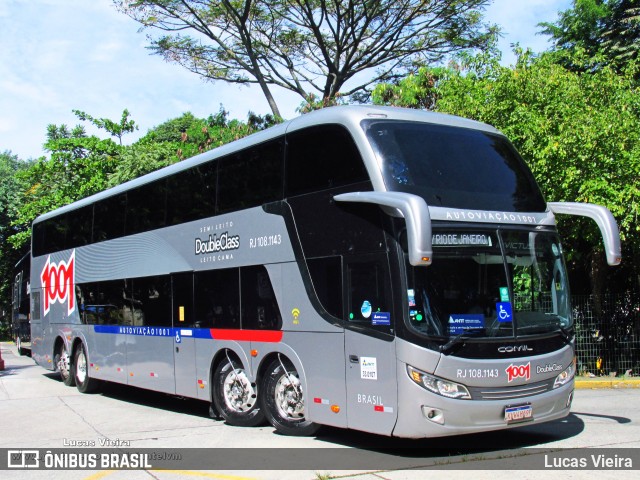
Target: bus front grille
504,393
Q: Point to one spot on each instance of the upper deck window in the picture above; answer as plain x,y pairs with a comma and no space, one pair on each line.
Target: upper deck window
454,167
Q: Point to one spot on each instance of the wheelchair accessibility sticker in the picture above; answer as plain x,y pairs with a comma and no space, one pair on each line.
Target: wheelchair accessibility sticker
504,312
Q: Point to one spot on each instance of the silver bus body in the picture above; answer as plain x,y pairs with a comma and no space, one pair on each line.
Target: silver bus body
141,309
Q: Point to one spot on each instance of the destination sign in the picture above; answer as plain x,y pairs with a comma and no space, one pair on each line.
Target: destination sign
461,240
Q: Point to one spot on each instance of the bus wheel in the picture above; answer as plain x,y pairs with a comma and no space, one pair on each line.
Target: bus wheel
284,401
235,397
19,345
84,382
64,366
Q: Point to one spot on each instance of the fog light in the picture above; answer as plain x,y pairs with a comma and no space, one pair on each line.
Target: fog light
434,415
570,399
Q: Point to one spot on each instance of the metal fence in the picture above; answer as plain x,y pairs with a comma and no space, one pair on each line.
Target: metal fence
607,333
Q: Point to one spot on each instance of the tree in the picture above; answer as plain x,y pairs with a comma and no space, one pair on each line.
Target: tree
594,33
118,130
180,138
79,166
578,133
314,48
10,190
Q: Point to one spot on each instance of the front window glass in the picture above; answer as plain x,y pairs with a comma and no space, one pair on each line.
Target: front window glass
489,284
454,167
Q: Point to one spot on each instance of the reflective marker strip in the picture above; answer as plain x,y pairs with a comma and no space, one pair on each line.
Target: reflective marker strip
323,401
382,408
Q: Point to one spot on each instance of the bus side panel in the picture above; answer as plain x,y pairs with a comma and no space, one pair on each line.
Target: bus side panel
319,359
107,353
150,362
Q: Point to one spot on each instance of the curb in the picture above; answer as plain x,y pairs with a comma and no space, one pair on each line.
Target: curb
610,383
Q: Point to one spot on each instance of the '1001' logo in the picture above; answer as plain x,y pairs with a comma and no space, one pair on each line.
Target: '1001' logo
58,281
518,371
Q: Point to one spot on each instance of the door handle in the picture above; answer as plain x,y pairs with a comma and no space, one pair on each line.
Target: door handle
354,359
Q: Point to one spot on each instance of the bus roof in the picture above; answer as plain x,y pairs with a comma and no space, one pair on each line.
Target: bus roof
348,115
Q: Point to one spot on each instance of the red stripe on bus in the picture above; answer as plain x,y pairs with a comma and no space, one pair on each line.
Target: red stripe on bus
270,336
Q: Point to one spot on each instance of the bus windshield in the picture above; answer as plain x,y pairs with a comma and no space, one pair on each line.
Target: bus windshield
490,283
453,166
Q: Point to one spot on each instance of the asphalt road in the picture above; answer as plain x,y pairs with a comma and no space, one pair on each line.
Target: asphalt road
38,412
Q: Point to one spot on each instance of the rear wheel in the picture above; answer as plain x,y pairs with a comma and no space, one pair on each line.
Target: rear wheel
84,382
235,397
64,365
283,400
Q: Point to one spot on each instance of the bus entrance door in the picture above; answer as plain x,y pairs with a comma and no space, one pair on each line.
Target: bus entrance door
369,346
184,346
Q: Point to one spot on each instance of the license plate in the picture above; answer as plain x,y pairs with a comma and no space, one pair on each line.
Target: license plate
518,413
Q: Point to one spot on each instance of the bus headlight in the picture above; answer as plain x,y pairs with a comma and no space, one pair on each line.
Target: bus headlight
564,377
438,385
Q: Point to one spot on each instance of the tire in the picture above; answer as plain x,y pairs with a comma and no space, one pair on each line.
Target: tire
283,400
84,382
64,365
19,346
234,396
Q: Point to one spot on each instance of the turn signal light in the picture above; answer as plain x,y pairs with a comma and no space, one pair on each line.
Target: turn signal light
335,408
254,353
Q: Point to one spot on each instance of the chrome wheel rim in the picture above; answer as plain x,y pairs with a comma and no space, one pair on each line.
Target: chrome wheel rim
288,396
63,364
81,367
239,394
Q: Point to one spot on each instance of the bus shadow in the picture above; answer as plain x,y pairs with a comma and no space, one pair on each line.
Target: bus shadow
165,401
515,438
13,369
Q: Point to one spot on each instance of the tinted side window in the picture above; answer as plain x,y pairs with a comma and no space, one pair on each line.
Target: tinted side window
326,276
368,292
191,195
259,306
217,298
251,177
321,157
146,207
80,223
109,218
104,303
151,301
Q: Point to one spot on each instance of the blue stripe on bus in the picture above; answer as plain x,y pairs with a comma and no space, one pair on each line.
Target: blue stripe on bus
150,331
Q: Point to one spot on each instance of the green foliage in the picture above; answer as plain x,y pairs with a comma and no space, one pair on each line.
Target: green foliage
79,166
181,138
10,194
124,126
596,33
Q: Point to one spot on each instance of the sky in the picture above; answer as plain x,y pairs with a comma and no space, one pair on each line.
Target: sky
62,55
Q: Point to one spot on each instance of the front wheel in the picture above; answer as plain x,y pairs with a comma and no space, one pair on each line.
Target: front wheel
235,397
283,400
84,382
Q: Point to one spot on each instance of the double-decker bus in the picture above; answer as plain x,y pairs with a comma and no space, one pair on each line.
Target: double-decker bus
21,331
386,270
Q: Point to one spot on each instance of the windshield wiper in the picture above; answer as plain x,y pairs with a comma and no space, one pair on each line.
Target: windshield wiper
466,334
564,333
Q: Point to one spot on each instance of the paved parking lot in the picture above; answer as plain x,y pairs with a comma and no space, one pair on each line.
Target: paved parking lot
39,412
